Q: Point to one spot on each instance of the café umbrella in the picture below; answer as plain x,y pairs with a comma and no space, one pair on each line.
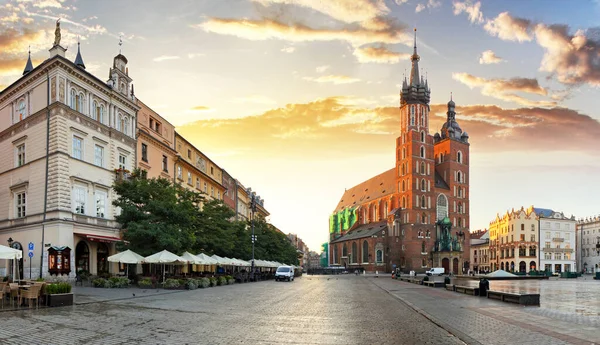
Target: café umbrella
164,257
126,257
9,253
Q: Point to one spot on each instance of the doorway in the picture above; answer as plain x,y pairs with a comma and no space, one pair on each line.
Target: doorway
82,257
446,265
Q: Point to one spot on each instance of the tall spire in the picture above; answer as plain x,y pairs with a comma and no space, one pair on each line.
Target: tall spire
414,73
78,58
29,65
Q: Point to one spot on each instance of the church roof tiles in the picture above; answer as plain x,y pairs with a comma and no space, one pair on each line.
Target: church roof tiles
372,189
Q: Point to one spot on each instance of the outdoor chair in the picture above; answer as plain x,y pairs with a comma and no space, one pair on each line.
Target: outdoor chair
33,293
14,292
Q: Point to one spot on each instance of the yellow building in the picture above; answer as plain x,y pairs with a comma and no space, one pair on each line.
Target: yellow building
156,144
196,171
243,202
514,241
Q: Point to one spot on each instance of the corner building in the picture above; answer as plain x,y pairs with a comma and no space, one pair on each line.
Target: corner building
416,215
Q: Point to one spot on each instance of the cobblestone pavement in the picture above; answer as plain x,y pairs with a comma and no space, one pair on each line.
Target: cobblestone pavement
310,310
477,320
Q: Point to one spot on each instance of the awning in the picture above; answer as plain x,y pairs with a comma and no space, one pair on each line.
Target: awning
99,238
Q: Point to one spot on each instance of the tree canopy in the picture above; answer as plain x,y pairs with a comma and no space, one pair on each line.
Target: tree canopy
158,214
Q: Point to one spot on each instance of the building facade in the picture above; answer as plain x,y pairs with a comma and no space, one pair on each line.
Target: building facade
480,252
156,153
68,134
230,195
196,172
588,244
514,241
416,215
557,241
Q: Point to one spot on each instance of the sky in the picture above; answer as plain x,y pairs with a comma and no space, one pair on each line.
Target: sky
298,99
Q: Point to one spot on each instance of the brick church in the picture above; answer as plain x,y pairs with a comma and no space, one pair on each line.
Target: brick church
414,216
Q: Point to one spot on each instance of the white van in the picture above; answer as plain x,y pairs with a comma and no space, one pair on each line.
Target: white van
436,271
284,273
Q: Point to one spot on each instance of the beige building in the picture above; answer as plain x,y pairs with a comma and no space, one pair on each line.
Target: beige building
156,144
66,133
195,171
480,252
514,241
243,202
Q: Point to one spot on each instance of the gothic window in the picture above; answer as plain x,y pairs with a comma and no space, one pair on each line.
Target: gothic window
460,208
424,218
423,136
458,177
385,209
442,207
403,185
403,202
345,250
422,168
379,256
403,170
335,254
459,222
412,115
423,185
422,152
459,157
354,253
423,204
365,252
460,194
403,152
423,247
428,234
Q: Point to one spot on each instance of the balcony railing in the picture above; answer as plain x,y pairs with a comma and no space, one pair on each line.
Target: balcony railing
558,239
558,250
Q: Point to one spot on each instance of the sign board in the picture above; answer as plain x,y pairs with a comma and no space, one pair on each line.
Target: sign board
30,254
30,246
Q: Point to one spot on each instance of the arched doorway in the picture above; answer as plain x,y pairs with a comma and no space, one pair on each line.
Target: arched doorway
446,265
101,258
532,266
512,266
17,246
455,266
522,266
82,257
502,266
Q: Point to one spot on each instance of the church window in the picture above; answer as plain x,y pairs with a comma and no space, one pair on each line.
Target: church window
403,185
423,188
460,208
385,209
423,219
365,252
412,115
459,157
423,136
345,250
379,256
442,207
423,247
458,177
422,152
423,204
403,202
403,170
422,168
459,222
354,254
403,152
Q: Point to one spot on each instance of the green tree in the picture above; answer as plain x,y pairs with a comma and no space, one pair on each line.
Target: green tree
273,245
215,233
156,214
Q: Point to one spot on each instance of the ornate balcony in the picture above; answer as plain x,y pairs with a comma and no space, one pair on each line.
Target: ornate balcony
558,239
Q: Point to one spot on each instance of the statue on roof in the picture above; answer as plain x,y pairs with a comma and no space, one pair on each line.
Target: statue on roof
57,33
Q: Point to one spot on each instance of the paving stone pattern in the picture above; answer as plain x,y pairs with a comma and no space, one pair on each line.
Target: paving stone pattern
310,310
477,320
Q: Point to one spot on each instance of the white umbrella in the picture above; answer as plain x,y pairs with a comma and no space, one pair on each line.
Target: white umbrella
9,253
222,261
126,257
164,257
206,260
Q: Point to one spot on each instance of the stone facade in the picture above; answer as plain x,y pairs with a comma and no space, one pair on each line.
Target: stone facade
65,132
480,251
588,244
557,241
230,196
416,215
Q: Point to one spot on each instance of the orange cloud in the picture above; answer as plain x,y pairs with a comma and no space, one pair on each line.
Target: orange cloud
489,57
331,126
15,66
501,88
509,28
378,55
334,79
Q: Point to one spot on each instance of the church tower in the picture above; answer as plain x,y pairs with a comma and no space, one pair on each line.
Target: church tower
415,167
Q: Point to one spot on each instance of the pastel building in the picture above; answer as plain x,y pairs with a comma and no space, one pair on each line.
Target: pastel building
588,244
64,133
557,241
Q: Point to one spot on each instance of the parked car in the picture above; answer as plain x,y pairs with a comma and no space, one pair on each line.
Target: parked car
436,271
284,273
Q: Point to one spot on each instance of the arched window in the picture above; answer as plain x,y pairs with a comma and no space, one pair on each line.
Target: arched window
459,157
365,252
460,194
403,170
101,113
126,125
96,111
403,152
403,185
119,122
354,253
412,115
428,234
423,204
335,254
460,208
458,177
422,152
379,256
423,136
423,185
81,103
459,222
423,218
22,111
423,247
345,250
73,99
422,168
442,207
403,202
385,209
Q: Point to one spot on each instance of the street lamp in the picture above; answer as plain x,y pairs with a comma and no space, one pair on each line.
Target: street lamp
10,242
254,200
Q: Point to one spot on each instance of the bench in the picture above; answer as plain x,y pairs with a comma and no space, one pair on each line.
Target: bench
518,298
434,283
468,290
449,287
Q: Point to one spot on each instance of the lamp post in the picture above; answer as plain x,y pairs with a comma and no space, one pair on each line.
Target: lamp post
254,200
10,242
